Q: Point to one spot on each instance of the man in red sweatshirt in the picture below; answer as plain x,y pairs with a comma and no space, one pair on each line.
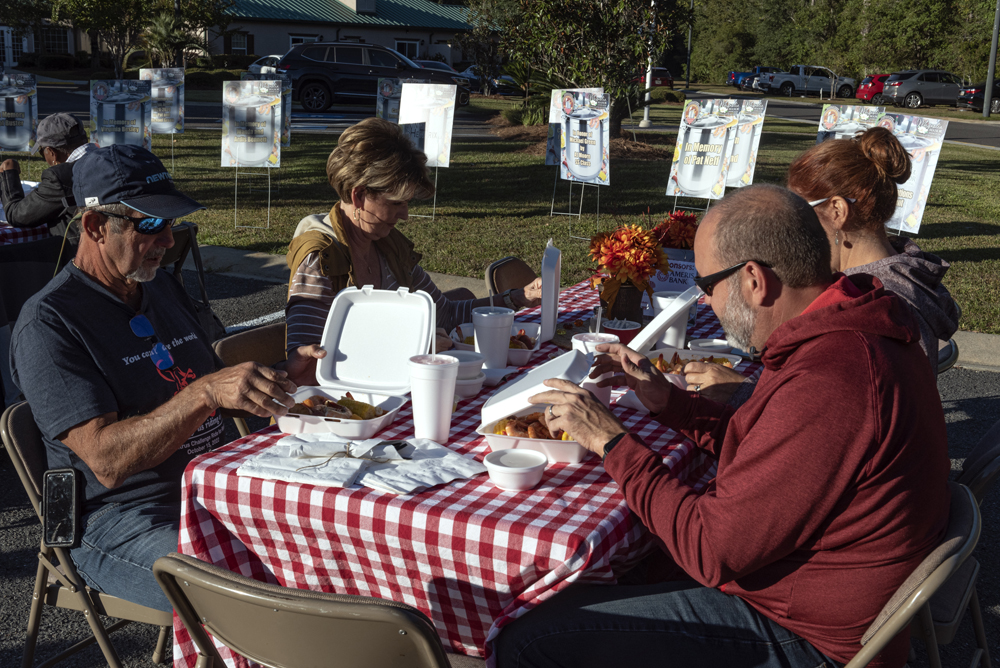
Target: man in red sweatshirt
832,478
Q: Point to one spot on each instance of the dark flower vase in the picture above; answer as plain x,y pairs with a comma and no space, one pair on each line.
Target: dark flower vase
627,306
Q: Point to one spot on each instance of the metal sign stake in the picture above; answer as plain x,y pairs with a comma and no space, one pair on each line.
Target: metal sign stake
435,201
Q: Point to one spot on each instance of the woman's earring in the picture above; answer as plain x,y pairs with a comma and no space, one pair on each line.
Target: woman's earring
357,216
836,239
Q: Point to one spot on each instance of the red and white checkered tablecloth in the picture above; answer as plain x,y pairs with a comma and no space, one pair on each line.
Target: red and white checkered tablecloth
468,555
18,235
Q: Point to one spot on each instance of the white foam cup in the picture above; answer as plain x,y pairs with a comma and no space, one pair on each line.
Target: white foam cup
432,393
492,325
587,343
675,336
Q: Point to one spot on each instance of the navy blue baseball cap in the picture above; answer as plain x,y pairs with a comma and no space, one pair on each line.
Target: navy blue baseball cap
130,175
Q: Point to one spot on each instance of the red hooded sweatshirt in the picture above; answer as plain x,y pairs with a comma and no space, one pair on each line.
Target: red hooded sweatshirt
832,478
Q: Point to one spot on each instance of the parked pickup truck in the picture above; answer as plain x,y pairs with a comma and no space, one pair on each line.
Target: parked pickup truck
738,78
806,79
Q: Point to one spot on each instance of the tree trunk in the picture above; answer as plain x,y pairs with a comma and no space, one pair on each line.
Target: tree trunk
619,111
95,49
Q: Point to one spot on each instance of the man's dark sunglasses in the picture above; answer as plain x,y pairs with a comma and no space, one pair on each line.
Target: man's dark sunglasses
707,283
143,328
147,225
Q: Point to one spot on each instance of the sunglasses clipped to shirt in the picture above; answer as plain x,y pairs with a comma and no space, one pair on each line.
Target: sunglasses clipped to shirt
143,328
707,283
147,225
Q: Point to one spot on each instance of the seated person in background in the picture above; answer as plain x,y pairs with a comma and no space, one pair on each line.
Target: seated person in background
851,184
62,141
832,478
376,171
123,383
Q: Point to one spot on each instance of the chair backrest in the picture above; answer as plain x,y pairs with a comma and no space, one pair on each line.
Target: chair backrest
24,444
278,626
964,524
947,356
176,255
982,465
25,269
508,273
264,345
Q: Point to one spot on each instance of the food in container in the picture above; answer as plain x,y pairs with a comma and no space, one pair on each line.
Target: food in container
512,400
674,360
366,358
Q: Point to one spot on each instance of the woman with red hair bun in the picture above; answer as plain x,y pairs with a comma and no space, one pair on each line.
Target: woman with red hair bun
852,186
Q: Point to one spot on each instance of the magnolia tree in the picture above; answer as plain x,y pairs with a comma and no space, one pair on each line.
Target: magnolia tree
597,43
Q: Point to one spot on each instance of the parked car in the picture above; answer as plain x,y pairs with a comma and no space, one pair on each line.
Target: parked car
740,78
264,65
871,87
916,88
807,79
322,71
661,77
437,65
971,97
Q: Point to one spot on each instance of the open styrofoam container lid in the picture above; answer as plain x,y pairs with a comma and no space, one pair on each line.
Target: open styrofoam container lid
369,337
573,366
676,311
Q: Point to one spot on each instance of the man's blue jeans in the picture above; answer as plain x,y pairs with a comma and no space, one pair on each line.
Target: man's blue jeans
120,543
672,624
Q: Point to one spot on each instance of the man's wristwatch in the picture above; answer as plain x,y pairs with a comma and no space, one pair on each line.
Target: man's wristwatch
507,301
612,443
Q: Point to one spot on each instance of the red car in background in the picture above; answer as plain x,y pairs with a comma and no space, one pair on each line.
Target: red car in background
871,87
661,77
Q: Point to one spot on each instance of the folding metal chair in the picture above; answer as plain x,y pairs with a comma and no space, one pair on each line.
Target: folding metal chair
913,598
264,345
279,626
57,582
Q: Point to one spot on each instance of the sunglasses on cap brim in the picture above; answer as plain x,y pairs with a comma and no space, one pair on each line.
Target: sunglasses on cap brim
145,225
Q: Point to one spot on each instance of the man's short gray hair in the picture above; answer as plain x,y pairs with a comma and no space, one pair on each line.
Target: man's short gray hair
118,226
775,227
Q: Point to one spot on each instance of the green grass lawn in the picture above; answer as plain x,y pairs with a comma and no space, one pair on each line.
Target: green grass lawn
494,201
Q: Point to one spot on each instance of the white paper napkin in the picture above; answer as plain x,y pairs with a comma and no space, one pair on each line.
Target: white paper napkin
315,459
629,400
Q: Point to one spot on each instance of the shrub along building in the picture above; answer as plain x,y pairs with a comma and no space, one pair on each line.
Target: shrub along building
415,28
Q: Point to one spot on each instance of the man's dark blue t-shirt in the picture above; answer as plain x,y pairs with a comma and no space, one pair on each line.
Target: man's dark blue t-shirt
75,357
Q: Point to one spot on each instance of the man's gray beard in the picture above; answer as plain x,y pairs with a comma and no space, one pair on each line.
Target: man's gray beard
143,274
739,320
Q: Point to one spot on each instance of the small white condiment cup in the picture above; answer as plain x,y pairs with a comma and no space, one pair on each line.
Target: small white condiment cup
469,387
470,363
515,470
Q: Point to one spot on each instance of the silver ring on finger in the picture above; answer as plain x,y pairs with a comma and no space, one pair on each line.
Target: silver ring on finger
697,388
552,416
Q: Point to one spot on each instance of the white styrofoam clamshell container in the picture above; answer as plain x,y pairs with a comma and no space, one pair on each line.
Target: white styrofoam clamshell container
551,278
513,400
352,429
518,357
653,331
688,356
467,330
369,337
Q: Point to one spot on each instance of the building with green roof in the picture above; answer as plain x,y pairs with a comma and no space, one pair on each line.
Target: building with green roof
415,28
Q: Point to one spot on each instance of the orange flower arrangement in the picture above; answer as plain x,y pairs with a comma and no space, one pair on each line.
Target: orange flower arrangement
629,254
677,230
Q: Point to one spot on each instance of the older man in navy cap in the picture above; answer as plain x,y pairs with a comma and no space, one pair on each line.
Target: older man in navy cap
122,381
61,141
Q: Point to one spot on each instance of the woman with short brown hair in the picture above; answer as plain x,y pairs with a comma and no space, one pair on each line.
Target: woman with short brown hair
376,171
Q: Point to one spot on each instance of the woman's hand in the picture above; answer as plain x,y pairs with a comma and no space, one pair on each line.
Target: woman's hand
713,381
301,364
528,296
576,411
635,370
443,342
